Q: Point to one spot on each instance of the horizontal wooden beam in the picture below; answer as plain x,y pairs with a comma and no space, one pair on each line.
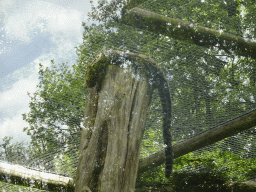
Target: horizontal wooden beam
23,172
189,32
214,134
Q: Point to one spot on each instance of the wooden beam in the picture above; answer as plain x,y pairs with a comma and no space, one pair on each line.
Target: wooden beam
214,134
189,32
23,172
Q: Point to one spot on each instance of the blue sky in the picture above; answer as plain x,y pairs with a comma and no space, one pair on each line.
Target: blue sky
33,32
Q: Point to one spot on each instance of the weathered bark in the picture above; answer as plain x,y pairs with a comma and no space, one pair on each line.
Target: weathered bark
189,32
110,141
227,129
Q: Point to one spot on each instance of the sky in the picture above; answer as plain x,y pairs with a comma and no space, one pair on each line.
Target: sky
33,32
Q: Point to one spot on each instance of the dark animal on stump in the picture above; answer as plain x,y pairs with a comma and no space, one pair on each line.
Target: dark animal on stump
155,76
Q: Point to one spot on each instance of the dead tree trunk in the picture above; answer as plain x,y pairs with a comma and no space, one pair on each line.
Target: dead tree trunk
113,127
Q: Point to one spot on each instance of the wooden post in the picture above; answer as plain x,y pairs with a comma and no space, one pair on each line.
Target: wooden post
113,128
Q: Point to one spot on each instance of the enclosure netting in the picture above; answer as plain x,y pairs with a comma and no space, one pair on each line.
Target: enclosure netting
209,85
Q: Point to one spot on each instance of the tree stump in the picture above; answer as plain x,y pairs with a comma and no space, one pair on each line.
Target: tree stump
113,128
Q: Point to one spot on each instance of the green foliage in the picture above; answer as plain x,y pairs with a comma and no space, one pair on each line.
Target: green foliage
215,168
13,153
152,136
59,100
235,167
208,182
151,177
209,171
64,164
20,188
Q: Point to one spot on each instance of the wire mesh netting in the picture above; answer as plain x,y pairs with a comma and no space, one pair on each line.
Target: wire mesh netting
206,50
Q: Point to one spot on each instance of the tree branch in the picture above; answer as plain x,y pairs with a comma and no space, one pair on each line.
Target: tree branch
224,130
189,32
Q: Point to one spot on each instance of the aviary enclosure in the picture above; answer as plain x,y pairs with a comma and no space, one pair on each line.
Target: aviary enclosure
206,51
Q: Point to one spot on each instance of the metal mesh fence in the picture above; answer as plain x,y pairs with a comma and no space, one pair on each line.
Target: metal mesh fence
211,81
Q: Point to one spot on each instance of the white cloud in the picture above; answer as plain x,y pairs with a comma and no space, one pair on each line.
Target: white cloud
13,127
38,16
14,102
21,25
17,96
